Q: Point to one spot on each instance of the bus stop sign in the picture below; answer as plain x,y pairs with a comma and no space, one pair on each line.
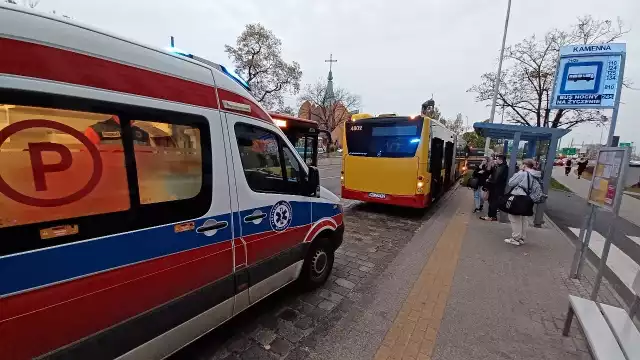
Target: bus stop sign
588,76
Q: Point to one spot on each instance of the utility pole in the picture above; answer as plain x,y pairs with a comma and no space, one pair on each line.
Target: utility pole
496,86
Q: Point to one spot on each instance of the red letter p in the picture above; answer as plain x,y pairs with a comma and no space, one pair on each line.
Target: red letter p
40,168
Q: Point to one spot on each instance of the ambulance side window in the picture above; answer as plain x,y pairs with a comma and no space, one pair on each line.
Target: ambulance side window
168,161
60,164
268,165
75,169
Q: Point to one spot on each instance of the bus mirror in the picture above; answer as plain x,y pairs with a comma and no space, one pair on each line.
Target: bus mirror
313,182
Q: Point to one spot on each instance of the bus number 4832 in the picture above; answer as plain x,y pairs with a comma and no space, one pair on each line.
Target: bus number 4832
356,128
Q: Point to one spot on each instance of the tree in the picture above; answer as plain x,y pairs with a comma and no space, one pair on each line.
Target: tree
527,80
288,110
457,125
257,57
330,113
473,139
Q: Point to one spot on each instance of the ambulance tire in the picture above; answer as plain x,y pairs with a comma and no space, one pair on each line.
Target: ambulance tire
317,265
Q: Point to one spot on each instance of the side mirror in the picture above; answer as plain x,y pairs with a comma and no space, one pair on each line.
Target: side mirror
312,186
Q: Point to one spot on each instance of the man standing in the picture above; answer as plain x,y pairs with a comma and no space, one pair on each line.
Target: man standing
496,184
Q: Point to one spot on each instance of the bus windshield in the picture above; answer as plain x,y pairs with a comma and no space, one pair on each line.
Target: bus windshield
390,138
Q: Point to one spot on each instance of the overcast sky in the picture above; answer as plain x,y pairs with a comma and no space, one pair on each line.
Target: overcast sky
393,53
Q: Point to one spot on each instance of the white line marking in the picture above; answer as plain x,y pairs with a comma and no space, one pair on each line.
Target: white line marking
636,239
330,177
620,263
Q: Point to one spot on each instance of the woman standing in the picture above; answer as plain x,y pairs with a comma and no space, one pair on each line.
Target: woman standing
525,183
480,173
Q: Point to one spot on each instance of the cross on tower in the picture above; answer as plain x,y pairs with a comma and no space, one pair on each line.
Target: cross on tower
330,61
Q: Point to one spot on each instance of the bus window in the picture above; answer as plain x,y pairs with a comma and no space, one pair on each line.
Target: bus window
393,139
59,164
169,165
304,147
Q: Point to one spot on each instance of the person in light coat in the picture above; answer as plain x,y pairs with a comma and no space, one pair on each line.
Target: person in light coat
527,180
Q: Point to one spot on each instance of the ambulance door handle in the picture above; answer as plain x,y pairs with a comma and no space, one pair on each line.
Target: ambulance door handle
210,227
256,217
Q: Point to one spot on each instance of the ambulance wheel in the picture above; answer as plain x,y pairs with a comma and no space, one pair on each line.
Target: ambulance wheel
317,265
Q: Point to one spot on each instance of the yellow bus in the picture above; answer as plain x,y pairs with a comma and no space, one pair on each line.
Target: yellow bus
401,160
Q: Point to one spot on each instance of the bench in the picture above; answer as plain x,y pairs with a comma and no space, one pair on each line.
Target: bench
609,330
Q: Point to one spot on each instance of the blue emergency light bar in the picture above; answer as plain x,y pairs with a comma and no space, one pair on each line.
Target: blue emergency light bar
179,52
230,74
235,77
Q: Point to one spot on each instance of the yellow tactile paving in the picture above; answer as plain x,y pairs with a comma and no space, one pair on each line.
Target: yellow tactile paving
414,331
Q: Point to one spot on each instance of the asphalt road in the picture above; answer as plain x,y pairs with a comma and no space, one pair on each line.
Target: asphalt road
568,210
330,177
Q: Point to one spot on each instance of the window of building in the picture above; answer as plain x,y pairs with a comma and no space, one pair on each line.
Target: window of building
267,167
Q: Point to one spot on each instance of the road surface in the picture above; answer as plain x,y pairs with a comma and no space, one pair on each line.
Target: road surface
567,210
330,175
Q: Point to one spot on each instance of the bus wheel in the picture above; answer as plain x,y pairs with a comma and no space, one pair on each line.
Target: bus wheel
317,265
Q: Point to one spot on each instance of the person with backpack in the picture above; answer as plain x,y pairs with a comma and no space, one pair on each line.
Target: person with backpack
526,191
477,181
582,165
567,166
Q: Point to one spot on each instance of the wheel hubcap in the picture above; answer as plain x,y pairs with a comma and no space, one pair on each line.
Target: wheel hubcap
319,263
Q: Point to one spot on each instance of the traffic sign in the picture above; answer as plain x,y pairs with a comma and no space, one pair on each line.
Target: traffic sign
588,76
569,151
624,145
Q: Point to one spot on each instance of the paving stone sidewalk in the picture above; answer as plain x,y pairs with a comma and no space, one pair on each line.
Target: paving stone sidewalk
510,302
289,324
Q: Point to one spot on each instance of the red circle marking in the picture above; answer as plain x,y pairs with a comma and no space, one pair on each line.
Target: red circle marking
93,150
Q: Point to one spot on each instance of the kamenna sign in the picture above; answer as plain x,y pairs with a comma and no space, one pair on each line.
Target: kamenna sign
588,76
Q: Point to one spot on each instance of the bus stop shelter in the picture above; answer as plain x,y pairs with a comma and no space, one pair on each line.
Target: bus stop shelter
535,137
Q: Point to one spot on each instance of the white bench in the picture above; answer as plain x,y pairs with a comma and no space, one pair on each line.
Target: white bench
609,330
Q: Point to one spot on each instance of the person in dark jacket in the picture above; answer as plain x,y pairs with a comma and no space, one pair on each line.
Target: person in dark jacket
496,184
481,173
582,165
567,166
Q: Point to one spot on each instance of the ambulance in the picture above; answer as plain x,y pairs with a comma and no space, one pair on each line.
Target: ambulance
145,196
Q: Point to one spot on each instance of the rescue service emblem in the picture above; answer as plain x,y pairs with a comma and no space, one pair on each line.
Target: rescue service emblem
280,216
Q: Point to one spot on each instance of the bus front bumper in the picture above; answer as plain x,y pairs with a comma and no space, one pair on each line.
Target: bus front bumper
413,201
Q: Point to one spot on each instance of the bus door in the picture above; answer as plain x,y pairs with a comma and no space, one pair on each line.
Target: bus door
448,164
305,143
435,167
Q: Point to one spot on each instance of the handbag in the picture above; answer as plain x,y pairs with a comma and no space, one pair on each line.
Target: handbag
473,183
516,204
485,195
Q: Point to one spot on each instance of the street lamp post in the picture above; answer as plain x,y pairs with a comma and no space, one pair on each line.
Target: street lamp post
496,86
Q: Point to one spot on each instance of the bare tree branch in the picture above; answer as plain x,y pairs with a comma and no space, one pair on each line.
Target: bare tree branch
530,65
329,115
257,58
